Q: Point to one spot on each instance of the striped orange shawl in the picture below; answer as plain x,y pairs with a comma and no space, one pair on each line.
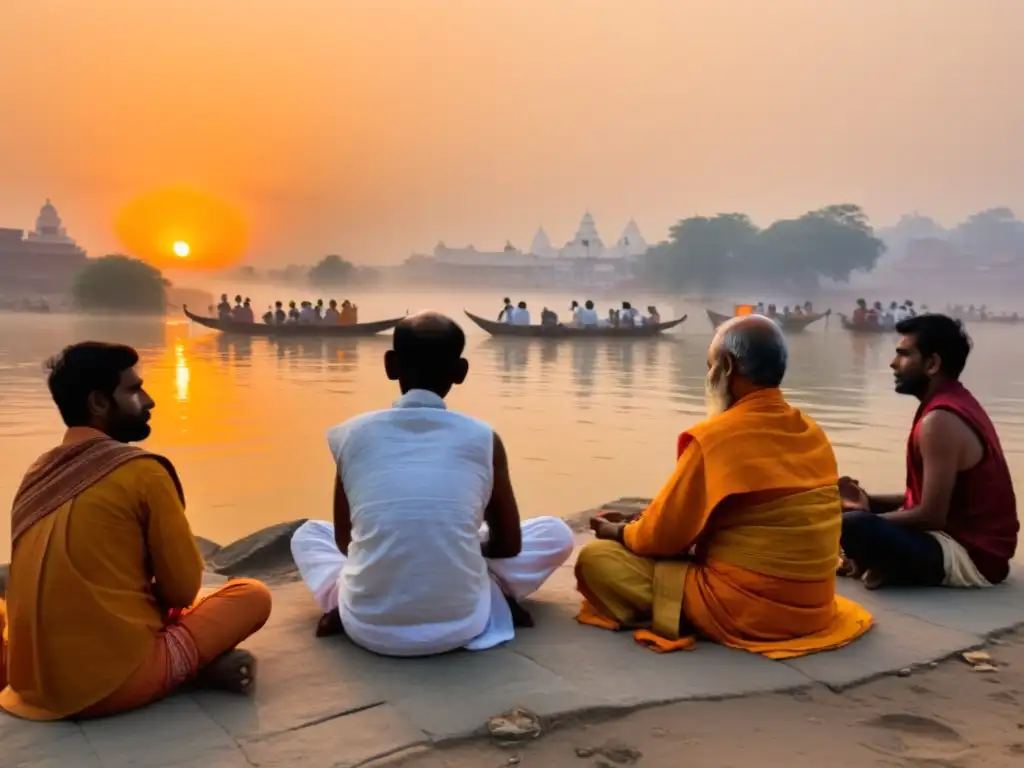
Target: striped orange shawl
61,474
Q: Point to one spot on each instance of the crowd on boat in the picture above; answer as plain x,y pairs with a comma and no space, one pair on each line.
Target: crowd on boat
303,313
772,311
879,316
583,316
423,550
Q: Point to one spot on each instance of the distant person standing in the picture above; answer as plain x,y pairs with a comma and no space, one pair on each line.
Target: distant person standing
224,308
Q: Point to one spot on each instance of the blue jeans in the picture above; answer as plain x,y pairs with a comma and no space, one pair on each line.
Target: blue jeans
900,555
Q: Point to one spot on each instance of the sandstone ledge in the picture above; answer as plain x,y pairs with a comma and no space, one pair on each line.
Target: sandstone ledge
327,702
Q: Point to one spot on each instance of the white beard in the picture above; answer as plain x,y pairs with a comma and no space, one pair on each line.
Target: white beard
717,399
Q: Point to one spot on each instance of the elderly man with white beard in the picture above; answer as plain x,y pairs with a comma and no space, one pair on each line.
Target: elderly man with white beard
740,545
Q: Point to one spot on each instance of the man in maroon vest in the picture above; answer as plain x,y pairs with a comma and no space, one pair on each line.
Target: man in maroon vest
956,524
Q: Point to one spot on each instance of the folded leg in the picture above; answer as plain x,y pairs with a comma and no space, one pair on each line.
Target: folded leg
547,544
198,645
897,555
617,584
319,561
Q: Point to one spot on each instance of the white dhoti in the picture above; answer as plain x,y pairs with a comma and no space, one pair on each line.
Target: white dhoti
547,544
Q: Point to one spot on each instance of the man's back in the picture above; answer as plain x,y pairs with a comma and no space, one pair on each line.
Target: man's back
81,590
417,478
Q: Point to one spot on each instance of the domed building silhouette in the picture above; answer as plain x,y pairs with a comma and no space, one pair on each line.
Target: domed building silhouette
42,261
583,260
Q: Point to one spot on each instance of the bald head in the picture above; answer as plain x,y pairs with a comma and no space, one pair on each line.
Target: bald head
426,353
751,347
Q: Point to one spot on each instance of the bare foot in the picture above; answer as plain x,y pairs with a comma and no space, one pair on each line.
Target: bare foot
330,624
233,671
849,568
872,579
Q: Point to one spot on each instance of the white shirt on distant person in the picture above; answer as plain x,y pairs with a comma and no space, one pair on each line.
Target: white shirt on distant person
520,316
588,317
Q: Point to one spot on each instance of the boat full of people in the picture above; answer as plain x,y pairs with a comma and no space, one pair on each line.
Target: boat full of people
585,322
790,320
304,319
878,318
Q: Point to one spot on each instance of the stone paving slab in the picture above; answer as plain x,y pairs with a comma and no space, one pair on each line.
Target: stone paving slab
325,702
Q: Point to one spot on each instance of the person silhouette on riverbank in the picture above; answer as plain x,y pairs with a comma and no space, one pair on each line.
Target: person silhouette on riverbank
426,552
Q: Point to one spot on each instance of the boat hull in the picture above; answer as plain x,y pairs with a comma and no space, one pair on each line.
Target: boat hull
864,330
787,324
293,330
569,332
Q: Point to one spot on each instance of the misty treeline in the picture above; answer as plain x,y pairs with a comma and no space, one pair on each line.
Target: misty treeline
729,250
330,270
994,233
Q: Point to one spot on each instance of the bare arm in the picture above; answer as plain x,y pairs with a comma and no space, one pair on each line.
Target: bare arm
342,516
502,512
942,441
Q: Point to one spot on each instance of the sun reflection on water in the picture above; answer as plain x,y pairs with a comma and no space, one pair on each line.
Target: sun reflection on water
181,373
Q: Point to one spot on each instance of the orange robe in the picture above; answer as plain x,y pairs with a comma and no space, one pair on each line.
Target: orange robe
740,545
91,592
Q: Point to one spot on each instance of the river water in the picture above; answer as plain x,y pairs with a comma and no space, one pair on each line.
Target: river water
584,422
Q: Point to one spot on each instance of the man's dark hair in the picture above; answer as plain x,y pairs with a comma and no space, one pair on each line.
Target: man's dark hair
936,334
429,346
84,368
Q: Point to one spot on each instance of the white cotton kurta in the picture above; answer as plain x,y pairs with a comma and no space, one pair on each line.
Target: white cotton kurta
415,582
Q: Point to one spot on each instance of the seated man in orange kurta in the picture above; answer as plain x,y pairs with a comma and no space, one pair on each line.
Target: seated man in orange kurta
741,545
101,611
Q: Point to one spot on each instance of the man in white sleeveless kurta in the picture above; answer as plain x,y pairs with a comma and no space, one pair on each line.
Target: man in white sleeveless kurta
418,479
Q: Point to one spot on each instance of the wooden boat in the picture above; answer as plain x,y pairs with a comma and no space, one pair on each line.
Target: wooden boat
791,324
873,329
569,332
292,330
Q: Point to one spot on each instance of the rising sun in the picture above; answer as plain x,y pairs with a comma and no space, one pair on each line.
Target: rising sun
181,249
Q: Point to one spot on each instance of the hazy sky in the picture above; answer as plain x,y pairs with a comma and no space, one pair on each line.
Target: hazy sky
374,128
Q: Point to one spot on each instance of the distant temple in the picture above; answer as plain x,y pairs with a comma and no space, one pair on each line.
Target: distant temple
585,258
43,261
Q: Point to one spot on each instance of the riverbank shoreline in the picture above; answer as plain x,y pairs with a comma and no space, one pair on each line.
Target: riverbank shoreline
328,702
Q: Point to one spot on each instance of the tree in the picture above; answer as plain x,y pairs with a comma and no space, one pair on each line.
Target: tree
119,283
712,253
991,233
831,242
332,270
702,251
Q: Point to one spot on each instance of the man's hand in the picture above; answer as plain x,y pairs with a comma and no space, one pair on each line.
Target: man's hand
852,495
606,529
615,516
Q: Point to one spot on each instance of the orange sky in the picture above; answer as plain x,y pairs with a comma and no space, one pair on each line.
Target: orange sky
373,128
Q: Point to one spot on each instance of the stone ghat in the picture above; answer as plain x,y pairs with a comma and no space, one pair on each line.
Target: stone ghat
328,702
266,554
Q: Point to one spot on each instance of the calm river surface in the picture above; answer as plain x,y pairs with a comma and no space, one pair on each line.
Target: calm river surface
584,422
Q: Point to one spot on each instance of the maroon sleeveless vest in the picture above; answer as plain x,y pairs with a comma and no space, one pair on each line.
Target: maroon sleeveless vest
983,511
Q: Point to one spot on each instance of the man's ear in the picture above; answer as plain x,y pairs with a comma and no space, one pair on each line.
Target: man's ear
98,404
461,371
933,364
391,365
728,365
